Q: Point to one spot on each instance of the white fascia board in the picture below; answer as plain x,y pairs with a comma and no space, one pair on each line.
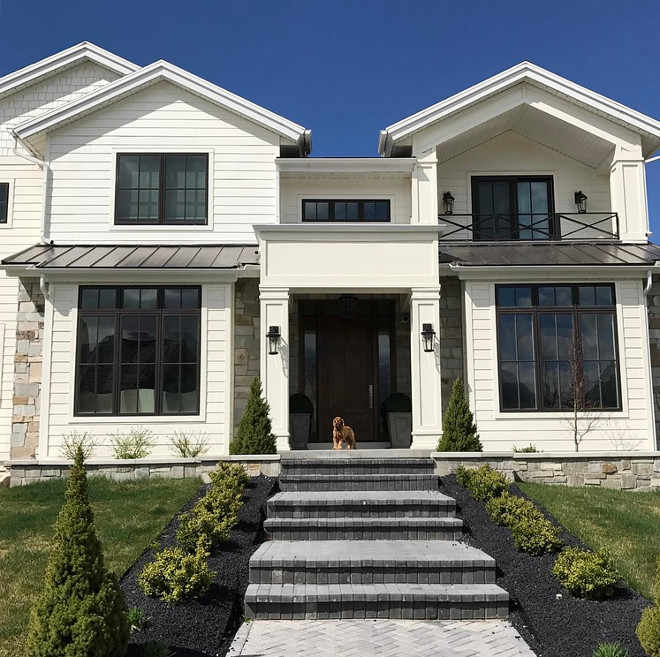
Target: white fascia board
64,59
522,72
337,231
532,273
402,165
156,72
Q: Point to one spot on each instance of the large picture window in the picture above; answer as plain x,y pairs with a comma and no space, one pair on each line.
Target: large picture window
138,351
158,188
556,342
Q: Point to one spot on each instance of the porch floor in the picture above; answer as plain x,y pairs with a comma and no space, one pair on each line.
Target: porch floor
356,454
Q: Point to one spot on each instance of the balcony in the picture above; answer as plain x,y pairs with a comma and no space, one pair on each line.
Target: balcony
530,227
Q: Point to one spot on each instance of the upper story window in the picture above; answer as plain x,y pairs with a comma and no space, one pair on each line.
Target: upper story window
162,188
513,208
557,344
4,202
345,210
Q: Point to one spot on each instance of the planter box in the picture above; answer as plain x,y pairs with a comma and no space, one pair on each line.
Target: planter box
399,426
299,424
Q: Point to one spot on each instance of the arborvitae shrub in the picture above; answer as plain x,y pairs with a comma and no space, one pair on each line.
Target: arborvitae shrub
81,611
459,432
254,435
586,574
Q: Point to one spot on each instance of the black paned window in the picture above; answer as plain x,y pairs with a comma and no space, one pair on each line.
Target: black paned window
345,210
138,351
4,202
547,334
158,188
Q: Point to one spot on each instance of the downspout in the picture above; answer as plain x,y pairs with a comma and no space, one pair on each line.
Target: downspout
43,165
44,287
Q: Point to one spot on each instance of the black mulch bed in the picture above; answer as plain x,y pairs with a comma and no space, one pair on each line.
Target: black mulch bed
203,627
552,626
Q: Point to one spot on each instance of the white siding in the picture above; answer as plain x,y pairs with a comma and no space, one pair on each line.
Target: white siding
161,118
293,191
632,428
59,369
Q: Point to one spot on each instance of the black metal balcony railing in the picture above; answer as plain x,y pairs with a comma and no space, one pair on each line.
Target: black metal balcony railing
534,226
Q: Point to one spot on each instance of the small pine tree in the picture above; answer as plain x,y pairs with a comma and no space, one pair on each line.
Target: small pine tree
254,435
459,432
81,611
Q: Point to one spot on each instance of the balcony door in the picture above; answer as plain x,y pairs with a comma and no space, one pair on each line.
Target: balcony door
513,208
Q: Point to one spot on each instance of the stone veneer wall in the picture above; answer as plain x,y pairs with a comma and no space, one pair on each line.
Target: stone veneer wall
246,342
450,335
27,370
619,470
653,303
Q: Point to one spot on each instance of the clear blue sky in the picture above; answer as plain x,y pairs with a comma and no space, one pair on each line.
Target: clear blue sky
347,68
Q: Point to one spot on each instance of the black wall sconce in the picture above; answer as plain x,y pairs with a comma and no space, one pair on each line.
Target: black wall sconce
428,336
273,336
449,202
347,307
581,202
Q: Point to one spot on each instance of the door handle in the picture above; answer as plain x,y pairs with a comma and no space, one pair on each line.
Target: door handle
371,395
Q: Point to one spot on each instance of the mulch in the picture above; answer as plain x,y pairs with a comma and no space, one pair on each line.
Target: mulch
553,623
203,627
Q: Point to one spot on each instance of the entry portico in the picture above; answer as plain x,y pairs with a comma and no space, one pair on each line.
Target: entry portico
358,259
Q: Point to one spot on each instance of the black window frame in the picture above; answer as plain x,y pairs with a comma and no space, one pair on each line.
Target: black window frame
118,313
513,180
160,221
536,311
4,202
360,201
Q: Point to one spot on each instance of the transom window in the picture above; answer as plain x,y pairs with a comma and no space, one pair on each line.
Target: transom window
138,351
557,343
345,210
159,188
4,202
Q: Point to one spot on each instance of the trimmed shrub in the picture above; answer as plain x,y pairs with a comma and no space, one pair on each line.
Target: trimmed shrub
254,435
483,483
648,631
508,509
230,475
535,535
586,574
175,575
81,611
610,650
459,432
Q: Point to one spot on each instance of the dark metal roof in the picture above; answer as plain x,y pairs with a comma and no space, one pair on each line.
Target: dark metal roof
543,254
216,256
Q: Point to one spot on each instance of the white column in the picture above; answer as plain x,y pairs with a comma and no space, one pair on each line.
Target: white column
628,195
275,368
425,189
425,369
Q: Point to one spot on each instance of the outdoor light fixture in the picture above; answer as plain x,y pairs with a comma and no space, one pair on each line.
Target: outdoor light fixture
428,335
273,336
347,307
449,202
581,202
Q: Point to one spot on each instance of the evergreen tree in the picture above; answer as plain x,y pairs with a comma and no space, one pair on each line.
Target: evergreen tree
254,435
81,611
459,432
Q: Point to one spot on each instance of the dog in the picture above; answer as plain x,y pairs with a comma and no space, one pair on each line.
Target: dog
341,433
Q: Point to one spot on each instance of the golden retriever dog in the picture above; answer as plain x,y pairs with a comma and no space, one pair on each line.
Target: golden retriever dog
341,433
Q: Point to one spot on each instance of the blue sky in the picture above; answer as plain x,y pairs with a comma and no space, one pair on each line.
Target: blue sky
347,68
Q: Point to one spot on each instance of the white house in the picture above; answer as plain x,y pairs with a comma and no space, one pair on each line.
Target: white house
155,227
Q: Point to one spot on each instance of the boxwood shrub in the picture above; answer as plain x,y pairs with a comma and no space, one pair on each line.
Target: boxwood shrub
508,509
648,631
483,483
586,574
535,535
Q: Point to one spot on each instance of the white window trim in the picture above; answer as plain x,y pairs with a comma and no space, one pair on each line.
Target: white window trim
349,197
157,228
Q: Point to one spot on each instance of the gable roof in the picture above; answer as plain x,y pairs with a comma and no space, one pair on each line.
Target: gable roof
536,76
164,71
61,61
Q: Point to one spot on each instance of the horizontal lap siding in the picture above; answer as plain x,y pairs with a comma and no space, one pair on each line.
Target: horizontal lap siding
214,377
162,117
630,429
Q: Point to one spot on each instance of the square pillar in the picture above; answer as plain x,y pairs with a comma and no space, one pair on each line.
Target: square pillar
425,369
275,367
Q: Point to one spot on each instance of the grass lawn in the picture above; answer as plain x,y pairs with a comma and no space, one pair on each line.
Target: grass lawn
128,515
623,522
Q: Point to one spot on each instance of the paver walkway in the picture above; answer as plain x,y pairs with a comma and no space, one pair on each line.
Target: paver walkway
386,638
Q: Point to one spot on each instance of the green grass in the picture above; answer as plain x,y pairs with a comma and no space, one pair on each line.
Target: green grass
625,523
128,515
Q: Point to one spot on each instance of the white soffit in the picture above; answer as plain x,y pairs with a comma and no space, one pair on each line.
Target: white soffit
527,72
345,167
61,61
152,74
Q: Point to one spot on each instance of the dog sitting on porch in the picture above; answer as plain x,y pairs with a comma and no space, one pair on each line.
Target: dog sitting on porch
341,433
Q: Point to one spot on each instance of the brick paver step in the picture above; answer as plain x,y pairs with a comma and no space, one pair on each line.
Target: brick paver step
418,601
350,529
355,482
334,504
357,466
370,562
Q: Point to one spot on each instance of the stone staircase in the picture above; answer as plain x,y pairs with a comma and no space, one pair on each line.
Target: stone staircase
367,537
